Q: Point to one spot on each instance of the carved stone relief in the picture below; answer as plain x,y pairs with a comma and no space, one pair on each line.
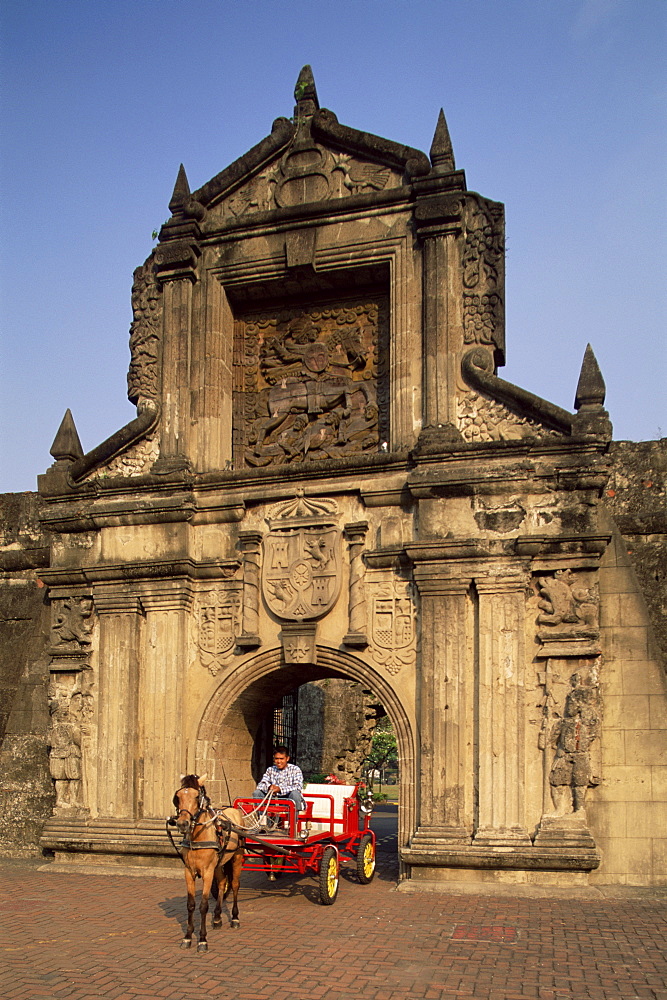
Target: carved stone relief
217,622
301,568
483,273
482,419
310,384
392,630
570,737
568,618
136,461
307,172
143,377
72,625
71,707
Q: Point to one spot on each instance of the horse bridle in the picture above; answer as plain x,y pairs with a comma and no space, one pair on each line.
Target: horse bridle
203,806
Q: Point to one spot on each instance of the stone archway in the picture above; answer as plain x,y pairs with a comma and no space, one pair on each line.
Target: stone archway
226,731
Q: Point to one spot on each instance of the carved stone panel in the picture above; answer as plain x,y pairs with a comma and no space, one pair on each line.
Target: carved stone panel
392,630
311,383
143,378
302,568
217,618
568,622
483,263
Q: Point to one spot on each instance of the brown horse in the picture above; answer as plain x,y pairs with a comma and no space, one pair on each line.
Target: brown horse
212,849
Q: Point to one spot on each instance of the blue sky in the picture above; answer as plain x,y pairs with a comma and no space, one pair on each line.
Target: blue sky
555,107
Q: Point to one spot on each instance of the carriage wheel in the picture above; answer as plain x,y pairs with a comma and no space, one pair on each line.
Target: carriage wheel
366,859
328,876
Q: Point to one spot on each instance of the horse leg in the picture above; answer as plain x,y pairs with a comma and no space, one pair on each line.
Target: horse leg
190,886
220,879
236,865
207,879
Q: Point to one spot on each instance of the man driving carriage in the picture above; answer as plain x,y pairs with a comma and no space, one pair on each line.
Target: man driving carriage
285,780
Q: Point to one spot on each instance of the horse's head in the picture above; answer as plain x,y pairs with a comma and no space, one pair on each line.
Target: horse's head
189,801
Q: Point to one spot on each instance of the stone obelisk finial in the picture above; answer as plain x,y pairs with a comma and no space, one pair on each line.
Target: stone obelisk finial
181,191
305,94
592,420
441,152
66,445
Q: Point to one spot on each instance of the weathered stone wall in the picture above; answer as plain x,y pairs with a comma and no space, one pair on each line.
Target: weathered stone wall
636,497
629,810
26,789
336,723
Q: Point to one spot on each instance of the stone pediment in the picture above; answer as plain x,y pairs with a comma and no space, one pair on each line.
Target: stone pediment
306,172
308,158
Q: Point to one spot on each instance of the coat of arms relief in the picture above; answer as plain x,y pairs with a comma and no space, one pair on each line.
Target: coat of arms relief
392,632
217,621
301,570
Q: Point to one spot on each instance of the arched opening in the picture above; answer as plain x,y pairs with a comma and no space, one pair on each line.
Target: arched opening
233,738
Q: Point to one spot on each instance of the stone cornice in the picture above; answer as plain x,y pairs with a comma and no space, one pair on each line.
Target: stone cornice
219,569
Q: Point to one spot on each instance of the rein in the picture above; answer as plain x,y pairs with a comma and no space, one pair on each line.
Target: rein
215,817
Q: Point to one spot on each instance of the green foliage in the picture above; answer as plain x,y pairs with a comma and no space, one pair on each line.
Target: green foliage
316,779
384,749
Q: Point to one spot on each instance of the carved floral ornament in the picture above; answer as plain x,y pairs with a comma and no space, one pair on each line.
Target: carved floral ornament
143,378
482,261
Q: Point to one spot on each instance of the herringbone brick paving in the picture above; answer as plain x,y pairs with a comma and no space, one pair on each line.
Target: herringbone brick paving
83,937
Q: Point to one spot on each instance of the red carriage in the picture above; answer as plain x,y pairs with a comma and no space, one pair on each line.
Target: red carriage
332,830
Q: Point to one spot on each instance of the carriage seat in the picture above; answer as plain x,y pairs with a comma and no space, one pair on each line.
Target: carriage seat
321,808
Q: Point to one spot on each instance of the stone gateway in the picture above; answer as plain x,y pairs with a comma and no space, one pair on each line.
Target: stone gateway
327,478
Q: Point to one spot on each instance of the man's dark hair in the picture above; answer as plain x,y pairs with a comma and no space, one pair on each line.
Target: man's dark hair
281,748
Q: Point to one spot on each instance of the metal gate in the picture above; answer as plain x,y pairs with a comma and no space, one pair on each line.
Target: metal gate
285,722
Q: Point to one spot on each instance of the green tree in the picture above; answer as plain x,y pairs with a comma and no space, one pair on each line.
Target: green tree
384,749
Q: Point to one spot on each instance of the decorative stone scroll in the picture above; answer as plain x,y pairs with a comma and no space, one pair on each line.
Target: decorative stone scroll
482,260
217,614
143,378
310,384
392,630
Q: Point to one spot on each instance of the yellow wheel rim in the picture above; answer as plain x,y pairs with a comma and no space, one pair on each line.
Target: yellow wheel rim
332,877
369,860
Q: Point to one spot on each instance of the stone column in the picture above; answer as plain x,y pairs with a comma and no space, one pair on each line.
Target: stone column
439,388
438,225
501,713
164,715
445,813
120,617
175,423
355,535
250,544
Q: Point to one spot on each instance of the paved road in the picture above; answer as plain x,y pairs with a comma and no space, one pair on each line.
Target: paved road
84,937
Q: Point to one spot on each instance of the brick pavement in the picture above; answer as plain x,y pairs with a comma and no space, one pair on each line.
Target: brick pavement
81,936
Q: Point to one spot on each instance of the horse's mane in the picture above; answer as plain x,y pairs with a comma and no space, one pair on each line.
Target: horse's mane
190,781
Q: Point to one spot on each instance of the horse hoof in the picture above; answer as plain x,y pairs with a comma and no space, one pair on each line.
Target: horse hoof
236,923
185,943
217,922
202,947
